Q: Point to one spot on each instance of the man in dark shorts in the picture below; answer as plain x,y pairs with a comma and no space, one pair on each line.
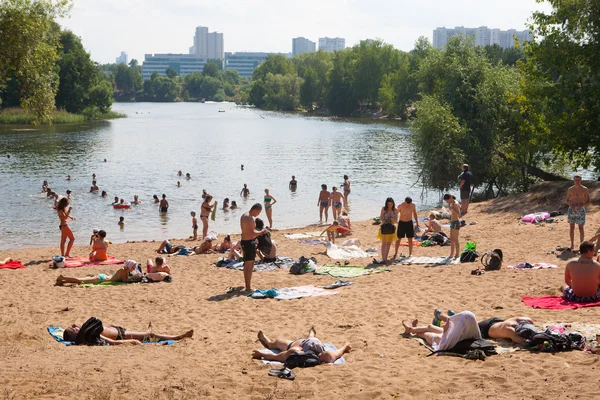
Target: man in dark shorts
406,229
248,242
582,276
466,180
496,328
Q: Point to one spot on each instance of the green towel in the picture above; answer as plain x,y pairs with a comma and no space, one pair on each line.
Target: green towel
103,284
347,271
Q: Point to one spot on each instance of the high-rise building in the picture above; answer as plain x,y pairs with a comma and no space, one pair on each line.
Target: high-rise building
215,46
208,44
183,64
122,59
482,36
303,45
332,44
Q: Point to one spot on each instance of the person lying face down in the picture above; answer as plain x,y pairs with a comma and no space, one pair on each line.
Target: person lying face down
289,347
456,328
116,335
497,328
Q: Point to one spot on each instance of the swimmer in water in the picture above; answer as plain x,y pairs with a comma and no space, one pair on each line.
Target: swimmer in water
233,205
136,199
94,187
104,194
188,176
156,200
178,184
245,191
179,173
68,177
116,202
122,222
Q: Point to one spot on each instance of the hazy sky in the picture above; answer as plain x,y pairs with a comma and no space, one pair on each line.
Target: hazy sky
108,27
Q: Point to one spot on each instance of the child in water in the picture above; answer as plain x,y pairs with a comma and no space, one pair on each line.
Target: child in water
194,225
122,222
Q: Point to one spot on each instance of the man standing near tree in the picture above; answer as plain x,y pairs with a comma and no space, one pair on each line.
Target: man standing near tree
466,180
578,197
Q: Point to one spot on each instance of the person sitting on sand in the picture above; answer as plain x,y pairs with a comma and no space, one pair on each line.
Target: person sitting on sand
223,246
136,199
582,276
159,272
99,248
289,347
497,328
235,253
432,225
116,335
124,274
167,248
458,327
267,248
345,226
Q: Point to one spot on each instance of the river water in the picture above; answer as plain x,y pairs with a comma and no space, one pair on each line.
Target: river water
210,141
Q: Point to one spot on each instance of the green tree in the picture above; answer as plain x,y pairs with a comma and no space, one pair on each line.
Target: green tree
193,84
101,97
232,76
127,80
209,87
282,92
211,69
171,73
340,98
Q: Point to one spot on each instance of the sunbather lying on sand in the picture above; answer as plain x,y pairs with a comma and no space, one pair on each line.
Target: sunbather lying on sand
496,328
115,335
458,327
167,248
289,347
6,261
124,274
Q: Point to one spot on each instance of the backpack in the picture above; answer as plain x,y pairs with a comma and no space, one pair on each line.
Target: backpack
90,332
468,345
302,359
303,266
468,256
492,260
58,262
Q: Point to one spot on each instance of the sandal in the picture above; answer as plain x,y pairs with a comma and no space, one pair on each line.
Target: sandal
283,373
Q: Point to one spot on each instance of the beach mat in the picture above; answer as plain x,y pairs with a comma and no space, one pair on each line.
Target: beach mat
306,235
281,263
344,252
427,260
76,262
57,333
347,271
312,241
327,346
555,303
15,264
298,292
104,284
524,265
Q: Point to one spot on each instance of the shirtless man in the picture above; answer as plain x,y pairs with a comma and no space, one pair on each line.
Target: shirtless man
323,203
121,275
116,335
406,229
336,199
289,347
578,197
248,243
159,271
497,328
433,226
94,187
293,184
582,276
245,191
163,205
454,225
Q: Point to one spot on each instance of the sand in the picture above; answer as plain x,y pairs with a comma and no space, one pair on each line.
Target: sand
216,362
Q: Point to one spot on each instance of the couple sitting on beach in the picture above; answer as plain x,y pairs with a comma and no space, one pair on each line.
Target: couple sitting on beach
206,247
130,272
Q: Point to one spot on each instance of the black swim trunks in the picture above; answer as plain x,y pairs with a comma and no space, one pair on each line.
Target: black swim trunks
484,326
248,249
269,260
164,209
405,229
120,332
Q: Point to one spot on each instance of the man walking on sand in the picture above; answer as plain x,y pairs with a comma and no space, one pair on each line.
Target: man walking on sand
466,180
578,197
406,229
248,242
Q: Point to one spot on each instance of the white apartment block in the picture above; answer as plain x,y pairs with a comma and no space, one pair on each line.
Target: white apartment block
303,45
122,59
482,36
208,45
332,44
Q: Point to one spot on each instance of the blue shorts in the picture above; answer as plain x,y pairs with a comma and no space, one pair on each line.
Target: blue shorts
568,294
324,204
576,216
455,225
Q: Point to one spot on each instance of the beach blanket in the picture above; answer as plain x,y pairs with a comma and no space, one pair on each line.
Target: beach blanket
524,265
298,292
347,271
344,252
15,264
75,262
312,241
57,333
104,284
555,303
327,346
502,346
427,260
307,235
415,243
282,262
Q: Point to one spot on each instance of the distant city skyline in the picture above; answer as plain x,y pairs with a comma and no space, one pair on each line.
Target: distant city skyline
140,27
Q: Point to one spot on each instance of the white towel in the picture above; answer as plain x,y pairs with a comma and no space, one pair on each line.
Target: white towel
462,326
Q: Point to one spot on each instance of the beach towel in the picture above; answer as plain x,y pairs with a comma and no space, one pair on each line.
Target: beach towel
15,264
282,262
307,235
427,260
298,292
344,252
327,346
524,265
312,241
105,284
75,262
415,243
555,303
57,333
347,271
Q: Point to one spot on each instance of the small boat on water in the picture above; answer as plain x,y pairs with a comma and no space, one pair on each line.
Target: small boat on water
202,100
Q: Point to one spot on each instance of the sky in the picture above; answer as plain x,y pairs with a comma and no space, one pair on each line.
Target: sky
140,27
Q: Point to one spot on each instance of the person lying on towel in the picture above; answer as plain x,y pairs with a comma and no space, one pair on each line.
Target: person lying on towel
582,276
6,261
456,328
113,335
289,347
497,328
130,272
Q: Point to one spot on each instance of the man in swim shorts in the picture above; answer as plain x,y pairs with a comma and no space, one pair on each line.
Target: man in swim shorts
582,276
116,335
293,184
578,197
289,347
497,328
163,205
248,242
406,229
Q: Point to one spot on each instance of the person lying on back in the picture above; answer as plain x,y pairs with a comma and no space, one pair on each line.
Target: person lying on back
582,276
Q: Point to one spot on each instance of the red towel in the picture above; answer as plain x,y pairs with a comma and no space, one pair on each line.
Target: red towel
15,264
555,303
75,262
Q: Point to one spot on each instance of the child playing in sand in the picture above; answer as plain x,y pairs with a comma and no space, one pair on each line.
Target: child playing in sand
331,231
99,248
194,225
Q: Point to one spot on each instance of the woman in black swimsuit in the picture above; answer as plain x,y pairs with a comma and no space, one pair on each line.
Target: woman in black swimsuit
205,211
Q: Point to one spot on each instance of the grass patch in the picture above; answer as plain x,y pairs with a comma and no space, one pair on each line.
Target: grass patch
18,116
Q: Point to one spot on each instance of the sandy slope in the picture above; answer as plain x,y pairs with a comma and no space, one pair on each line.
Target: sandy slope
216,362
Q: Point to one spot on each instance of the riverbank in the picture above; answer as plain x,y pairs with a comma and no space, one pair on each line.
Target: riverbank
216,362
18,116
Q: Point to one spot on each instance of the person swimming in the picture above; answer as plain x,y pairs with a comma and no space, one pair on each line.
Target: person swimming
233,206
226,203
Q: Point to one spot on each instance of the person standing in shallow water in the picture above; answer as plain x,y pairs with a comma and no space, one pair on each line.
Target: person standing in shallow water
269,203
294,184
323,203
346,190
245,191
163,205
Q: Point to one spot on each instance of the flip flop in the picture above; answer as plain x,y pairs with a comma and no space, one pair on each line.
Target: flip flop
283,373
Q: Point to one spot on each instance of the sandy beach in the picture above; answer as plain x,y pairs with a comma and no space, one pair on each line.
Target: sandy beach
216,362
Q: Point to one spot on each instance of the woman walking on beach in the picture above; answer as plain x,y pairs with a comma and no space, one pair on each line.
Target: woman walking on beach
64,215
346,187
269,202
387,230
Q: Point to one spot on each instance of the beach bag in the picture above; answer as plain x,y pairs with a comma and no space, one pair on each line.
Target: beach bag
467,345
388,229
58,262
89,333
303,266
302,359
468,256
549,342
492,260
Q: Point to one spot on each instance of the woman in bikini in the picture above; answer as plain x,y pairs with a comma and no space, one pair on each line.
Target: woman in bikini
336,202
64,215
346,187
205,211
388,215
269,202
323,203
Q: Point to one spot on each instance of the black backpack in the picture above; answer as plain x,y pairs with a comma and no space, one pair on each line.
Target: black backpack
492,260
468,256
302,266
89,333
302,359
467,345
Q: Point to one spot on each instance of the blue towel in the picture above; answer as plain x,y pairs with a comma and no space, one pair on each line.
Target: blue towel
57,333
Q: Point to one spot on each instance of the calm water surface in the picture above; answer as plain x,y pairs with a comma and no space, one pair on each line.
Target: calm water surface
145,150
